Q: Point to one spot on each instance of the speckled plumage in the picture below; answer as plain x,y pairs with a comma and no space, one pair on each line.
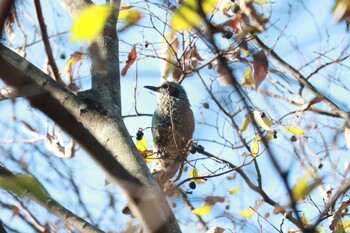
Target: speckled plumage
172,129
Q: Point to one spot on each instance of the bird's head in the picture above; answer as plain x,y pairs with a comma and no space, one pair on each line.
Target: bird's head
169,89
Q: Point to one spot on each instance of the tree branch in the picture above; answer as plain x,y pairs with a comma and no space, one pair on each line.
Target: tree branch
302,80
74,6
57,209
64,108
46,42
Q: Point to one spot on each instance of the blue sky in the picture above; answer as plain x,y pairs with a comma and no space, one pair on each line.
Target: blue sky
309,30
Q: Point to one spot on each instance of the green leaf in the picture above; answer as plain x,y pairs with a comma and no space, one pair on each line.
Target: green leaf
90,22
22,185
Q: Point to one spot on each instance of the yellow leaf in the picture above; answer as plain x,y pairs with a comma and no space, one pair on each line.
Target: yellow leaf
261,2
254,148
185,18
141,145
341,10
90,22
149,157
73,58
168,47
208,5
234,190
346,224
227,6
301,189
294,129
269,137
303,219
194,173
247,78
320,229
247,213
204,209
347,136
262,121
129,17
245,123
267,121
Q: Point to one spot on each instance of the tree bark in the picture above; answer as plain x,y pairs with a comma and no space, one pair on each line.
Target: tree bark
92,128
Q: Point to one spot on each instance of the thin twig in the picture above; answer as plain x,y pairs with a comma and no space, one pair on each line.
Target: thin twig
46,42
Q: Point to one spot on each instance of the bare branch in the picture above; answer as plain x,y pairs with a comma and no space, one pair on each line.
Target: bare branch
46,41
303,81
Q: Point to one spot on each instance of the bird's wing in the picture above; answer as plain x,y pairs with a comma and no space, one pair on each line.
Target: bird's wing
188,114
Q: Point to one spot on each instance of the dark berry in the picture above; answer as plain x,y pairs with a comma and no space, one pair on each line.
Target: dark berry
205,105
293,138
192,185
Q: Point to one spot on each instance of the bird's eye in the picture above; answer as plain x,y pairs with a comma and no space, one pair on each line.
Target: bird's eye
165,86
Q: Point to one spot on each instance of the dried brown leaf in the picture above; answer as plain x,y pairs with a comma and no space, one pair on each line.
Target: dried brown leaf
231,23
169,45
315,100
8,27
260,64
52,144
11,18
224,80
336,218
125,7
279,209
195,54
73,58
211,200
131,58
347,136
341,11
216,230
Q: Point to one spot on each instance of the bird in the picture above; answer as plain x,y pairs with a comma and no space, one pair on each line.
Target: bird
172,130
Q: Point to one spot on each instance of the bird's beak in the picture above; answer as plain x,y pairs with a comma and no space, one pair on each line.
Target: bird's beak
152,88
